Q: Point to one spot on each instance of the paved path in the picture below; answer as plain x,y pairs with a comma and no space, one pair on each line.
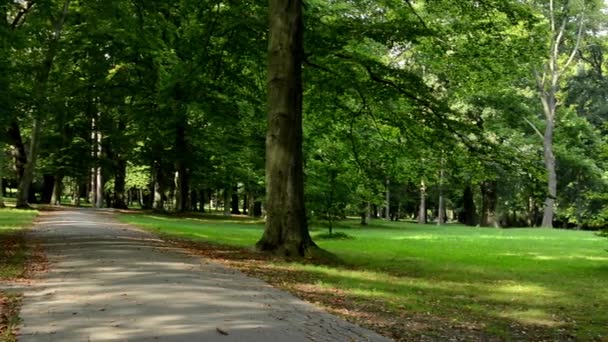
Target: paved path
109,282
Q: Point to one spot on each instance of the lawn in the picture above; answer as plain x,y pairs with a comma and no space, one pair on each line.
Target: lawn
13,253
14,256
412,281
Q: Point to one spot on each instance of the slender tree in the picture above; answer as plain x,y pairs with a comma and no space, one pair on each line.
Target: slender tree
548,85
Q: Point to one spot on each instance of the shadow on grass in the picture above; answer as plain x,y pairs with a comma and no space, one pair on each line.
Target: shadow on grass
414,307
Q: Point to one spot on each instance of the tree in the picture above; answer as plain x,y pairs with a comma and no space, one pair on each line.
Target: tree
562,23
286,230
40,90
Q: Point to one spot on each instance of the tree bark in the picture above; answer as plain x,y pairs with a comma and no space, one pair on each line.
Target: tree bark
549,159
203,201
158,203
422,209
470,212
286,232
119,184
2,185
193,200
489,195
441,216
57,190
387,210
48,184
14,134
235,201
227,203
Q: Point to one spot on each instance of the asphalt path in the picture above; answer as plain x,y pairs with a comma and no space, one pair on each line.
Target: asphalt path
108,281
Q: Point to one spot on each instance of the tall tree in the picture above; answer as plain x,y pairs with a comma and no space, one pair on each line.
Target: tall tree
561,21
286,231
40,90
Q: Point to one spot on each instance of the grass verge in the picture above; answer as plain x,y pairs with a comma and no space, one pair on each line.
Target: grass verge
413,282
15,258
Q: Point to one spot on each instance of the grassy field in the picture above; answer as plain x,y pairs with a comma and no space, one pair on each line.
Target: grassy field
508,284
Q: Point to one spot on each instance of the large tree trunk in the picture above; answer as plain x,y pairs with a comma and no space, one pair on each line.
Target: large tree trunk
57,190
234,203
40,88
119,184
470,212
14,134
286,231
158,203
489,193
48,184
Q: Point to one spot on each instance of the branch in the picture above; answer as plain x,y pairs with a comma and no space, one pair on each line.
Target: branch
411,6
579,37
17,21
535,129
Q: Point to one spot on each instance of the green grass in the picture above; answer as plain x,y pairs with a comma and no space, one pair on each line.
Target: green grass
13,249
554,282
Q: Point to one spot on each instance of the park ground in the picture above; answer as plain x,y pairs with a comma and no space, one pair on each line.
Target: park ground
423,282
16,263
401,279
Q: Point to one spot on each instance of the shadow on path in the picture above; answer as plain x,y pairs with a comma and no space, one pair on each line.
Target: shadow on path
109,282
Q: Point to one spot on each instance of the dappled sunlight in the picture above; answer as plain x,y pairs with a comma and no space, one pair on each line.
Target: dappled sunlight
110,283
532,317
480,277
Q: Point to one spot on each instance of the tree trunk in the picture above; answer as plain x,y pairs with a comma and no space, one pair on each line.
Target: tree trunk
257,209
422,209
193,200
76,194
470,213
203,201
2,185
158,203
48,183
14,134
235,201
549,159
119,184
441,210
57,190
489,200
227,203
387,210
364,212
286,231
99,190
245,204
23,191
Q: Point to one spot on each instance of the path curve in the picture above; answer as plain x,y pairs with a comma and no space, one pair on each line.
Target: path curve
110,282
